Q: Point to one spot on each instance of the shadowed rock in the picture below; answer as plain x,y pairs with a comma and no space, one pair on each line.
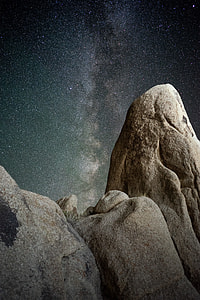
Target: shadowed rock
8,224
158,155
41,255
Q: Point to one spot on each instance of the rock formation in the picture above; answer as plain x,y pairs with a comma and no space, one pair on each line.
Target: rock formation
134,250
144,233
41,255
68,204
158,155
147,247
69,207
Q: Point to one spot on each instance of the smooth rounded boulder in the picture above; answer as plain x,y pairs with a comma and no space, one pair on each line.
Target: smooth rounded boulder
134,251
41,255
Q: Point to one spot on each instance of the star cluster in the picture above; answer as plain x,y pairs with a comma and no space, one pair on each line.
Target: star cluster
70,70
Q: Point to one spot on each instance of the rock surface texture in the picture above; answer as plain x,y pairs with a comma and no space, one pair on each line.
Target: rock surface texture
134,250
69,205
41,255
158,155
144,233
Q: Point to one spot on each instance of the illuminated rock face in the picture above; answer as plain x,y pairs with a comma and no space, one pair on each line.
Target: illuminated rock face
158,155
41,255
134,250
144,232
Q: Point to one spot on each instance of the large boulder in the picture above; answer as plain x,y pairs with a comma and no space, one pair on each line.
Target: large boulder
158,155
134,250
41,255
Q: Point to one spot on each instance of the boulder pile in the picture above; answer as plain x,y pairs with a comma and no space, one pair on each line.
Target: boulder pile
140,241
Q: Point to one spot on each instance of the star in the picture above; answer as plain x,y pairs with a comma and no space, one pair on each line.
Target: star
70,71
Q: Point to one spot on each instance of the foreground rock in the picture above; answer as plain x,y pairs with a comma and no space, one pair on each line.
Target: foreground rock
134,250
41,255
158,155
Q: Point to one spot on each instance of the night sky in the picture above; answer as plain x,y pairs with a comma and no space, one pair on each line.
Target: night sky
69,72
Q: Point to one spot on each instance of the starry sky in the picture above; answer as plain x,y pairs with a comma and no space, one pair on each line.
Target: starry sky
69,72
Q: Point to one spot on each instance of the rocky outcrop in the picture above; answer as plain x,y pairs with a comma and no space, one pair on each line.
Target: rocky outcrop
158,155
144,233
68,204
41,255
69,208
134,250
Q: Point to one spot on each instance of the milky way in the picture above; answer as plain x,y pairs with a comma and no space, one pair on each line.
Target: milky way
69,72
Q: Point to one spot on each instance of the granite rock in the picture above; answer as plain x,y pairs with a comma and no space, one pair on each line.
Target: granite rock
134,251
158,155
41,255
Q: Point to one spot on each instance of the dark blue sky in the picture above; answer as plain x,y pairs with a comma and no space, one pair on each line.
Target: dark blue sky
69,72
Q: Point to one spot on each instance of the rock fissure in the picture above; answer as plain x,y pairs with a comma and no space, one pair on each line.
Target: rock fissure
172,125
